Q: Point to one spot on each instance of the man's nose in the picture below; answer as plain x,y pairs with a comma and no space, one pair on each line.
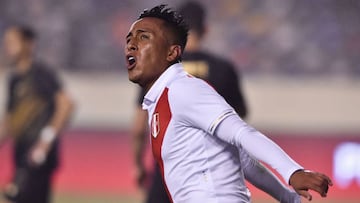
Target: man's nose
131,46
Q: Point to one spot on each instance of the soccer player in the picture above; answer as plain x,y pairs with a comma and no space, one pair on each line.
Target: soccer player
221,74
37,110
195,135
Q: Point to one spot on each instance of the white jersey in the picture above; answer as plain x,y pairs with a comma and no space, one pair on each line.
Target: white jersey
197,166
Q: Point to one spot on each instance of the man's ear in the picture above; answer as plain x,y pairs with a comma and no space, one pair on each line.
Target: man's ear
174,53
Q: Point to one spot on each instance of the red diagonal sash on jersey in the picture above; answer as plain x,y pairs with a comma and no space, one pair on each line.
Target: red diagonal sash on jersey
159,123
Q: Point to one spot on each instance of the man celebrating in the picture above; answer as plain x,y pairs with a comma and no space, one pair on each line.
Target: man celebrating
37,110
220,74
195,134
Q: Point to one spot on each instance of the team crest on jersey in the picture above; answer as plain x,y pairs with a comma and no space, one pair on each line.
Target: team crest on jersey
155,125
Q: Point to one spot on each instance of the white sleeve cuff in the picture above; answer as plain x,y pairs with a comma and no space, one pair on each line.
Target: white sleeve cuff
48,134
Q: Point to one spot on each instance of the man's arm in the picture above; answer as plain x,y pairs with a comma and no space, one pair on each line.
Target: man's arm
255,172
235,95
235,131
64,107
205,109
63,110
261,177
138,134
4,129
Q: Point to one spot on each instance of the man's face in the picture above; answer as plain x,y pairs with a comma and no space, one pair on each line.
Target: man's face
147,50
14,46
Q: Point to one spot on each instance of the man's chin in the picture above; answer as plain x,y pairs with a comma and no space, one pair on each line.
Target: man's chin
137,81
134,79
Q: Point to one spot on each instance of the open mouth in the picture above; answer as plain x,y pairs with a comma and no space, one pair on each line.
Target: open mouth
131,60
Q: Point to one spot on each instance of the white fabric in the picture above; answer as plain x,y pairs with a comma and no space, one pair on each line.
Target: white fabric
198,166
48,134
235,131
261,177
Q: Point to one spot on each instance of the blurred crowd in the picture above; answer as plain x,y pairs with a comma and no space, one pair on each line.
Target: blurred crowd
287,37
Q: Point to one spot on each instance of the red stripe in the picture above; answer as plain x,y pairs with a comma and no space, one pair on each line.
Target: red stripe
159,123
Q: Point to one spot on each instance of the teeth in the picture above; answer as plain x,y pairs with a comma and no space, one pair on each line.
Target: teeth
131,60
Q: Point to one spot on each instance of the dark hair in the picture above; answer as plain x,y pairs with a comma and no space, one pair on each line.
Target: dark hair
194,15
173,21
26,32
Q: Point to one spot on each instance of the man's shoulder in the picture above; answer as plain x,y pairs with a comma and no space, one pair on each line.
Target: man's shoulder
223,62
214,60
40,66
187,82
42,69
187,88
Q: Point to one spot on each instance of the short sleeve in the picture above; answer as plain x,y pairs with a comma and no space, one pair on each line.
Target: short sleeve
48,83
235,96
195,103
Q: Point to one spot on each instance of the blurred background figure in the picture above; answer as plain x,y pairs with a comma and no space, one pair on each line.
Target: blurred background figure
37,109
219,72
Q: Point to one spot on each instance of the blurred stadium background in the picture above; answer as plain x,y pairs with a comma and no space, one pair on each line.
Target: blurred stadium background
300,62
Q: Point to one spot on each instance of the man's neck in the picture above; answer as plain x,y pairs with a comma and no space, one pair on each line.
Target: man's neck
193,47
193,44
24,65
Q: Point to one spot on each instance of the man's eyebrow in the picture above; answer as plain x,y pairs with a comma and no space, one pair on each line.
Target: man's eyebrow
128,35
137,31
141,31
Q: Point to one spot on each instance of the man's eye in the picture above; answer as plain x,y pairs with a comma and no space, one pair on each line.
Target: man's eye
144,37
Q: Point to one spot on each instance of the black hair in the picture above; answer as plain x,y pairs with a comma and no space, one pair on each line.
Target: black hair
27,33
194,15
173,21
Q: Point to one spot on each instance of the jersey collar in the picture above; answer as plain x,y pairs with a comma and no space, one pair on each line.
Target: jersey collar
165,78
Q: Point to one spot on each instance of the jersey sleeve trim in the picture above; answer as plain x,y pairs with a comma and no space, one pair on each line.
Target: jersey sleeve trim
217,121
